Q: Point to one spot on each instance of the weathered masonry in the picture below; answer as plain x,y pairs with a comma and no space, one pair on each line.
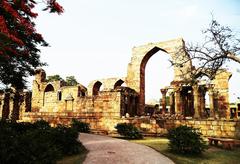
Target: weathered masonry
106,102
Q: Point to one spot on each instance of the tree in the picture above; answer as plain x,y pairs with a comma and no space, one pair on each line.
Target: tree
19,51
221,45
71,81
54,78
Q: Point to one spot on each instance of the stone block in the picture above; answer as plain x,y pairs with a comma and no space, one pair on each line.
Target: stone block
191,122
233,129
214,122
203,122
210,133
204,132
197,122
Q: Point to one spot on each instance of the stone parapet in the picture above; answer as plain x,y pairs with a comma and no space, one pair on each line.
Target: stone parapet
210,128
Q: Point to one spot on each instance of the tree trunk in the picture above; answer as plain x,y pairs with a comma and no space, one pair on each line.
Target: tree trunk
6,101
16,106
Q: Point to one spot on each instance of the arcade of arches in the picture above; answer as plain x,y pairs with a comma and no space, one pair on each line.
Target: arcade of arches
122,99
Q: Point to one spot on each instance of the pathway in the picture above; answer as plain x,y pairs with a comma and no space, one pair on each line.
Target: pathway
107,150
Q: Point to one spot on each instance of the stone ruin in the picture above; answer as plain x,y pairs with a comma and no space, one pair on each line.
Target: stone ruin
106,102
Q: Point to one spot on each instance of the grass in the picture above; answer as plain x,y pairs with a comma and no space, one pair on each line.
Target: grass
214,155
75,159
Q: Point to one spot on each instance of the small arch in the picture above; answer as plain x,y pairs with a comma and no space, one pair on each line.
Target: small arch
49,88
81,92
118,83
96,88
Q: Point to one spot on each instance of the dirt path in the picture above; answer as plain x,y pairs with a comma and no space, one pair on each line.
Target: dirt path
107,150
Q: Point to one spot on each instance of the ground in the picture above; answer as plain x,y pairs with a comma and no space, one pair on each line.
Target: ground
107,150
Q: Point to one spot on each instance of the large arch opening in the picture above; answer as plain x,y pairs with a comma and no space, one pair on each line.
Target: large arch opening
234,94
143,81
158,74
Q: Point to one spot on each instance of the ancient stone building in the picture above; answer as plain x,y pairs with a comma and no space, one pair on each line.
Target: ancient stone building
113,99
106,102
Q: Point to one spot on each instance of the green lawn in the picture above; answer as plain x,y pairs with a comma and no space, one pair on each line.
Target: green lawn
211,156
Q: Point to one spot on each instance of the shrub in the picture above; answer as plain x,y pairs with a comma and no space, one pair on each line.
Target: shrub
185,140
129,131
80,126
36,146
36,143
41,125
66,140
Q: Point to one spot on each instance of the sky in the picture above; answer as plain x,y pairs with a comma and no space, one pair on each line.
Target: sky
93,39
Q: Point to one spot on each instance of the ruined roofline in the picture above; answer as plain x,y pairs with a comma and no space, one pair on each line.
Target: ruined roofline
110,79
180,39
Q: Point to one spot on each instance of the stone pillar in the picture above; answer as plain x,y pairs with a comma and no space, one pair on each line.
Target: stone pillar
202,102
171,101
196,102
164,92
211,101
178,104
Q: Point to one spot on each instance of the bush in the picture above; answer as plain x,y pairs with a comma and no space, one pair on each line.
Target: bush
66,140
36,143
129,131
80,126
41,125
185,140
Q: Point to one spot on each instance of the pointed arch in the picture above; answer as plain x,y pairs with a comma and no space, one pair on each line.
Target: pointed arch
49,88
96,88
118,83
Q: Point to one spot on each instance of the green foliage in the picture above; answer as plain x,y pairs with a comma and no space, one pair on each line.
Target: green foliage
65,139
80,126
19,40
37,142
129,131
54,78
186,140
71,81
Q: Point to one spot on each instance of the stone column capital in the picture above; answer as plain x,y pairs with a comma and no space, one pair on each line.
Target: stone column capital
164,91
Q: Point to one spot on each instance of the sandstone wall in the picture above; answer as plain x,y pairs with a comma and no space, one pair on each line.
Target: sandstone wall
107,121
220,128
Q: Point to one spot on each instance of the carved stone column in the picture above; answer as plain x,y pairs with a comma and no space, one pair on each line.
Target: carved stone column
211,100
202,93
178,104
164,92
171,101
196,102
